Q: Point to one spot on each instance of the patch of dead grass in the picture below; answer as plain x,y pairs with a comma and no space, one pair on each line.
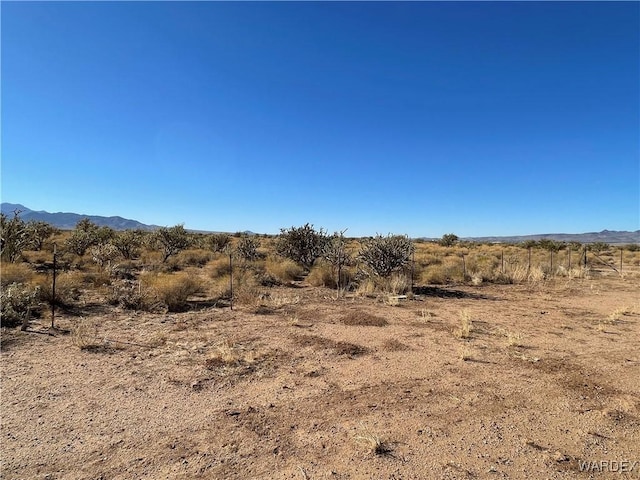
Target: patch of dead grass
358,317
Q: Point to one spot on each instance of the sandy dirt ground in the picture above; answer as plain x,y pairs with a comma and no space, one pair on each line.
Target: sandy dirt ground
545,385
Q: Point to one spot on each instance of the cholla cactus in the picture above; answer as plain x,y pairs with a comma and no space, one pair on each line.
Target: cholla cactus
104,254
247,249
303,244
383,256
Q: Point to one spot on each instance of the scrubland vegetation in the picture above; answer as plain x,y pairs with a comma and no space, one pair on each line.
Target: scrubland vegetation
173,270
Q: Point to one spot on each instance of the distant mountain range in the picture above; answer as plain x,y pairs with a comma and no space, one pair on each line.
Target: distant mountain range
605,236
68,221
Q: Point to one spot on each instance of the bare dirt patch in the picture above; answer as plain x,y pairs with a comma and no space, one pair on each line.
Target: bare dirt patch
547,379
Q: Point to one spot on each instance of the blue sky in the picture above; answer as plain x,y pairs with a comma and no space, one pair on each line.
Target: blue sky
418,118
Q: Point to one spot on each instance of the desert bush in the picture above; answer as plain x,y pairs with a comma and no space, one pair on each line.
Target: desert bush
104,254
171,240
599,247
128,243
335,254
247,249
38,232
86,235
193,258
14,237
16,301
301,244
15,273
383,256
128,294
173,289
448,240
218,242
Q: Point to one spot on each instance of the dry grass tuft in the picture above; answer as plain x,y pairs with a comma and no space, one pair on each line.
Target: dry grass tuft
15,273
465,353
172,289
227,354
284,270
372,442
322,275
85,335
466,325
514,339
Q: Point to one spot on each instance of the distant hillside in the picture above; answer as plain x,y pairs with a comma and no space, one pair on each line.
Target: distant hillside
68,221
605,236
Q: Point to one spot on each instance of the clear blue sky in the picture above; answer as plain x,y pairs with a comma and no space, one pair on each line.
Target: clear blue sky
418,118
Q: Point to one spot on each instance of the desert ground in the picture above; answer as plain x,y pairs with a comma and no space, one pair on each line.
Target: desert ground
536,381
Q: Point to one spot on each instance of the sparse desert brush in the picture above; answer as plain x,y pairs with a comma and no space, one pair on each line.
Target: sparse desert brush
372,442
514,339
228,354
618,313
128,294
172,289
15,273
450,270
218,267
193,257
150,257
466,325
69,286
398,284
366,287
322,275
465,353
85,335
283,269
37,257
17,301
536,275
426,314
